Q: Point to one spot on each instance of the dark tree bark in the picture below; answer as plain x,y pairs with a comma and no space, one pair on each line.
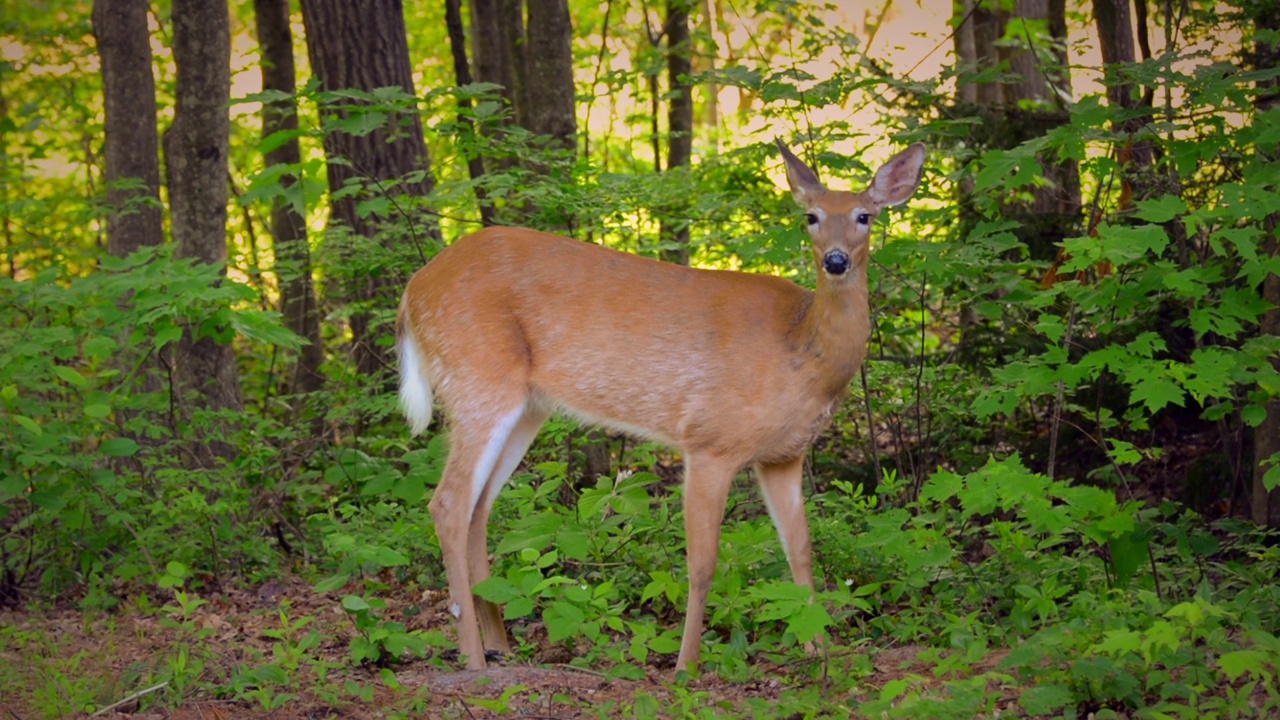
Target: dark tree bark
196,147
288,228
466,132
363,46
1264,504
533,61
132,145
674,230
494,27
549,63
1114,23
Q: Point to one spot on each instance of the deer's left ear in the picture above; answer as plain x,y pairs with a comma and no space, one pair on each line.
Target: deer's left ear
806,188
898,179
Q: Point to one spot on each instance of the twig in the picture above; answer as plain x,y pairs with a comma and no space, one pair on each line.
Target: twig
566,666
871,424
127,699
1055,421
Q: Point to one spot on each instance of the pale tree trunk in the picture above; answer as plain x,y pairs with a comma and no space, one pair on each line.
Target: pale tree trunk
288,227
1264,504
132,145
196,147
704,62
362,46
674,230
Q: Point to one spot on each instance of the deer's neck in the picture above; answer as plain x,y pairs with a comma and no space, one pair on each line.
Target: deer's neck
835,329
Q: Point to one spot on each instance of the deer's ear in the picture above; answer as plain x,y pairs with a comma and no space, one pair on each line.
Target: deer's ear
805,186
898,179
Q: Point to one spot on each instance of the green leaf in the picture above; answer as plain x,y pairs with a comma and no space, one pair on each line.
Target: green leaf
1239,662
1156,391
518,608
28,423
809,621
497,590
1161,209
1271,479
97,411
119,446
69,375
333,582
167,333
1253,415
1045,699
271,673
354,603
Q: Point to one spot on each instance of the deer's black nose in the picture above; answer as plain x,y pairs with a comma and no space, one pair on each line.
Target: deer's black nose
836,262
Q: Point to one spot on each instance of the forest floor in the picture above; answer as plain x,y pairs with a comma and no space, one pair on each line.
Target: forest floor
56,660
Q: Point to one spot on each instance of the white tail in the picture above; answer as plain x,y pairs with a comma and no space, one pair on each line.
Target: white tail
734,369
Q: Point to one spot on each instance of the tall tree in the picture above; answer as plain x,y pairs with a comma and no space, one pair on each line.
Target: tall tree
675,224
549,68
1265,504
362,46
131,146
196,149
1114,23
1024,103
466,132
532,59
497,45
288,227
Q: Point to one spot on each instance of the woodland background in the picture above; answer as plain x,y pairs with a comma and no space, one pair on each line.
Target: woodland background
1054,490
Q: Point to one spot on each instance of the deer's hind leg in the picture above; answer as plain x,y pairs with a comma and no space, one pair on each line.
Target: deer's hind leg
522,434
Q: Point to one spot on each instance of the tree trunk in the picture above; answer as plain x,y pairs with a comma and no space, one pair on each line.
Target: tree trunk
491,47
466,130
549,63
674,231
196,148
362,46
1264,504
288,227
1026,106
132,144
1114,23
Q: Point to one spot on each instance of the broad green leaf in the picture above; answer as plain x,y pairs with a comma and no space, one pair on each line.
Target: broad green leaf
331,583
497,590
69,375
119,446
1155,392
1045,699
26,422
354,603
1239,662
97,411
1161,209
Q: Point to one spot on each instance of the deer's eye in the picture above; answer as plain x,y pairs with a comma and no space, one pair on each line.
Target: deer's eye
864,218
811,218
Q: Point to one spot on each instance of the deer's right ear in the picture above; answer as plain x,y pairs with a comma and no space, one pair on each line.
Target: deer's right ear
805,185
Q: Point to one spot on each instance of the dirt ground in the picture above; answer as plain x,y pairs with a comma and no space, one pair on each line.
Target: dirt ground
61,658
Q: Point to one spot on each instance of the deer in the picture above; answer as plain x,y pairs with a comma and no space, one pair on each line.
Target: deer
507,325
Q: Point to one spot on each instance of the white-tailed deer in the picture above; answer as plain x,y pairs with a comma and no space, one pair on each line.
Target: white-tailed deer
507,325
